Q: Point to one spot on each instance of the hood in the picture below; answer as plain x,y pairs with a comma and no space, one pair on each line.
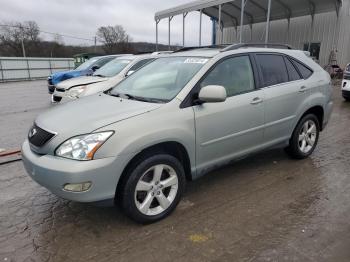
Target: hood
82,80
61,76
90,113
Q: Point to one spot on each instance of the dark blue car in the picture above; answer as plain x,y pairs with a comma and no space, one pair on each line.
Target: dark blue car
84,69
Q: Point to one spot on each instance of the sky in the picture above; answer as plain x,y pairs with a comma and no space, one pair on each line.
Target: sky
81,18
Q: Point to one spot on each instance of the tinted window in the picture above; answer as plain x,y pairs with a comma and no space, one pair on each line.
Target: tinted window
140,64
292,72
273,69
304,71
235,74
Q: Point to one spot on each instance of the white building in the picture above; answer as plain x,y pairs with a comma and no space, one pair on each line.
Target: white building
320,26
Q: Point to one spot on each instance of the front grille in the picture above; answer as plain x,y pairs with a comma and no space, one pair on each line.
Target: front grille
38,136
60,89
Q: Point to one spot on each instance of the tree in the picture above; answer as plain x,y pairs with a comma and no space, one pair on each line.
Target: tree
13,34
114,38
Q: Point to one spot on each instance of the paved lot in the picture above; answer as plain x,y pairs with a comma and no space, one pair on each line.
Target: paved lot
265,208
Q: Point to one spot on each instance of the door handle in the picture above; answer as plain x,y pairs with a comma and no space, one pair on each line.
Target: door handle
302,89
256,100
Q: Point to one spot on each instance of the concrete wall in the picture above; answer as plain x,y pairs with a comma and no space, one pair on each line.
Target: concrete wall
329,31
20,68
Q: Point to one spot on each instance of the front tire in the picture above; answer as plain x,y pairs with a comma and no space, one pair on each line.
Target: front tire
304,138
153,188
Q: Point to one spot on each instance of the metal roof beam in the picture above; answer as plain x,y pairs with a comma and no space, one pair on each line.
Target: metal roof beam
285,7
258,6
192,6
245,12
225,13
312,8
338,4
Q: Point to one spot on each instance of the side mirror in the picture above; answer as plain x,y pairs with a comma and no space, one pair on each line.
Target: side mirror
212,94
94,68
130,72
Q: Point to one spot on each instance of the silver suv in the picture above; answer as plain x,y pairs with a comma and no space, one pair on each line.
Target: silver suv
174,120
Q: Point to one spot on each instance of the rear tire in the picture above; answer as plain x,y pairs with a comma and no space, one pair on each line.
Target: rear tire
304,138
151,190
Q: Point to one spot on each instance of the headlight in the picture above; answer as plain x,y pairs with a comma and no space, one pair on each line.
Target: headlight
82,147
76,91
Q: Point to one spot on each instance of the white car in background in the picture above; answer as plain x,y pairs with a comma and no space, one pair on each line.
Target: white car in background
345,85
104,78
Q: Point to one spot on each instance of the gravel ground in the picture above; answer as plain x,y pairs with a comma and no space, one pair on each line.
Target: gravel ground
265,208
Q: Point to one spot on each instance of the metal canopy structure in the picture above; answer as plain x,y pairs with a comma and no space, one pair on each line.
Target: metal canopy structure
234,13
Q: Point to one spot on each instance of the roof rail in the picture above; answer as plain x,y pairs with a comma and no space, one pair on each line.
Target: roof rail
199,47
266,45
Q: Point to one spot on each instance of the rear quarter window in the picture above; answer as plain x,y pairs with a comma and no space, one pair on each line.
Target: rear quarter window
292,72
303,70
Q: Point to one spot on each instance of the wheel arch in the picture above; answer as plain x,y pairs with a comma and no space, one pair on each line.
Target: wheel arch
316,110
172,148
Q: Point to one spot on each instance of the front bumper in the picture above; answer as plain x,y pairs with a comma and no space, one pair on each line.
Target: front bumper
54,172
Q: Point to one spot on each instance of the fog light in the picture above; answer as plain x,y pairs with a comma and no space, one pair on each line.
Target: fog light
80,187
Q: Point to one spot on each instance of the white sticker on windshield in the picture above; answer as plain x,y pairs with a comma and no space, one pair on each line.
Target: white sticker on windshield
195,61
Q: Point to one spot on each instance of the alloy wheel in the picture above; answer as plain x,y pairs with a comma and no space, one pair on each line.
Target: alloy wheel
156,189
307,136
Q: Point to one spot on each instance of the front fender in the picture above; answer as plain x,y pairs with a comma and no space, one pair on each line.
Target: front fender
166,124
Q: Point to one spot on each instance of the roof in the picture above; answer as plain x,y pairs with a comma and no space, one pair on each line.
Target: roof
255,10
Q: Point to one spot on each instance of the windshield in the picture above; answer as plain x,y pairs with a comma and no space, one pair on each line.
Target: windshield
87,63
161,80
112,68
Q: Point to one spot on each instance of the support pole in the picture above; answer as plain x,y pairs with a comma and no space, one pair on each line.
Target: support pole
157,22
23,49
311,33
213,36
268,22
95,40
200,27
242,21
169,32
251,32
288,28
183,29
219,24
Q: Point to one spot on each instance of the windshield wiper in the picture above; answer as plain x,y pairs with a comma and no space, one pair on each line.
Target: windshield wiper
137,98
145,99
99,75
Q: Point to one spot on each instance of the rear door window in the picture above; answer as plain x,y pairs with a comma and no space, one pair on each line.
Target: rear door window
273,69
304,71
292,72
